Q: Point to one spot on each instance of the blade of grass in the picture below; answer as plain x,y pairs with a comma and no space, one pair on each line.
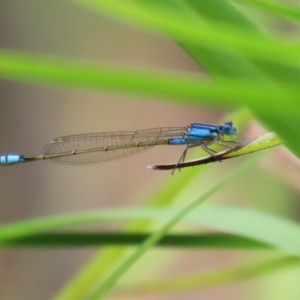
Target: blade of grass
213,60
250,224
88,239
186,88
261,143
225,12
211,279
278,9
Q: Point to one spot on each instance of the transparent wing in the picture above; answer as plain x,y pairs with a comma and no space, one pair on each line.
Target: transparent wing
101,147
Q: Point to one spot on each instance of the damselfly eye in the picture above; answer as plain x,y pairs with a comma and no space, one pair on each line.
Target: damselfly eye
229,129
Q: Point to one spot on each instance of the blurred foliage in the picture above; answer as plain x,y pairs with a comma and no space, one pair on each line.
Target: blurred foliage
246,68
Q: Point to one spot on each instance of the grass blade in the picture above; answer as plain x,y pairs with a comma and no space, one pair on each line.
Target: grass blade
88,239
211,279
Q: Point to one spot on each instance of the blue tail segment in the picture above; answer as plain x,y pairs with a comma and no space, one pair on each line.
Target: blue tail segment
11,159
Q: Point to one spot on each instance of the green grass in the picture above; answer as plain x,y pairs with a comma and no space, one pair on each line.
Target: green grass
245,69
213,278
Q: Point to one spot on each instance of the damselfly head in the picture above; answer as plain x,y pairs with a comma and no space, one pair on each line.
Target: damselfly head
228,128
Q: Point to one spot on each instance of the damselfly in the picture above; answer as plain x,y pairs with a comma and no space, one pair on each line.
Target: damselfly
106,146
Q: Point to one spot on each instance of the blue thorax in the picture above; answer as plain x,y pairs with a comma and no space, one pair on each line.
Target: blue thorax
198,132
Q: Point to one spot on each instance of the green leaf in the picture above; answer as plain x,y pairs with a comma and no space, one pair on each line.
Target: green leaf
185,88
281,10
261,143
265,228
88,239
212,278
